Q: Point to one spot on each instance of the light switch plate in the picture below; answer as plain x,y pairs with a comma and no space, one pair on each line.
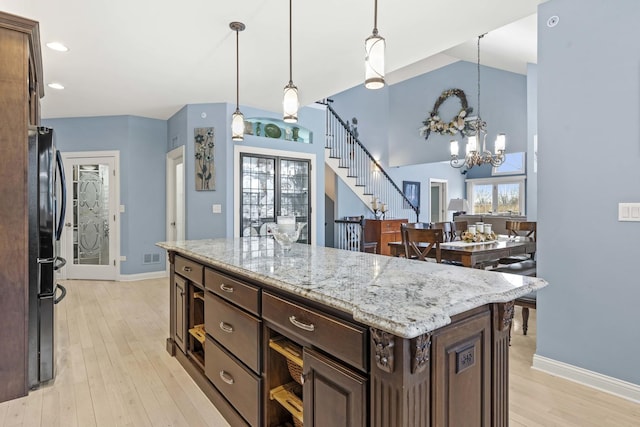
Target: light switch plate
629,212
217,208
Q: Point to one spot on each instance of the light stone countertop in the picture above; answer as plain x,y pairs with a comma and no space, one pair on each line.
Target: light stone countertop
406,298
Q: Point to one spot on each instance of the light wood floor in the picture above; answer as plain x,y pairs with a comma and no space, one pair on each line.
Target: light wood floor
113,370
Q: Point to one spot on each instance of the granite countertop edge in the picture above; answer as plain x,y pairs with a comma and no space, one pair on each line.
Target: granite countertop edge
435,317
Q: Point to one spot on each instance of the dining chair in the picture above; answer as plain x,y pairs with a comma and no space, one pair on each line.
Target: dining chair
520,229
447,231
365,246
457,228
418,241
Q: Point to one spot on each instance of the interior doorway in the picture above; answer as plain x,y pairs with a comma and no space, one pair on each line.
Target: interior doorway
437,200
91,239
175,195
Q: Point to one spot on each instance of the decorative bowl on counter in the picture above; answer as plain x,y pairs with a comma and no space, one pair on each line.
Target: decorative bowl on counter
287,234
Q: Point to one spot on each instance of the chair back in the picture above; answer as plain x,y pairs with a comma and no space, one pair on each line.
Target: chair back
418,242
364,245
447,230
457,228
521,228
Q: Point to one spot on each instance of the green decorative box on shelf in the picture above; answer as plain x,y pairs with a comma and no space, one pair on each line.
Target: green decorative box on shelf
277,129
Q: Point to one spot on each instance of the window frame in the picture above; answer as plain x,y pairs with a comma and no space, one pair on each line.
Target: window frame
494,182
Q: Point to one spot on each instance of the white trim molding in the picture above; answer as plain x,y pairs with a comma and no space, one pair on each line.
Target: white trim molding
610,385
143,276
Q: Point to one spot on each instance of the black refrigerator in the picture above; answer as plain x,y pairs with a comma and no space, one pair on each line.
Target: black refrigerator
47,200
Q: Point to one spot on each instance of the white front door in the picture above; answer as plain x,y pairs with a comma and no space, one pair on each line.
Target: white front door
90,242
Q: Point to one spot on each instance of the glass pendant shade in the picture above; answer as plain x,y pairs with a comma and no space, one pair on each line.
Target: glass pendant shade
237,126
374,47
290,103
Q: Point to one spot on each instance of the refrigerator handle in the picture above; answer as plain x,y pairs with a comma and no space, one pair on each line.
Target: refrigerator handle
59,263
61,297
63,186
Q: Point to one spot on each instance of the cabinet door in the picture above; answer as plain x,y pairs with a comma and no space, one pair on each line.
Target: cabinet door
333,394
180,285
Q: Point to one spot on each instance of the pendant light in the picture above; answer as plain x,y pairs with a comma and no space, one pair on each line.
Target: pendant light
237,120
290,103
374,56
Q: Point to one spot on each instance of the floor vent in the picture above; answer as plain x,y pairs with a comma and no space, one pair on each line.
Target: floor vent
151,258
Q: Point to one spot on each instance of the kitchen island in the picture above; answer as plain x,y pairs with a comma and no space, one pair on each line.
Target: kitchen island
323,336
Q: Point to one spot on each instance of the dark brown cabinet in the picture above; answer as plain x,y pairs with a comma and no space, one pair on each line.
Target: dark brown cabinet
333,394
383,231
270,358
20,91
180,320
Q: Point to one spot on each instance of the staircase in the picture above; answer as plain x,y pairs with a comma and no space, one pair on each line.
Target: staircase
352,162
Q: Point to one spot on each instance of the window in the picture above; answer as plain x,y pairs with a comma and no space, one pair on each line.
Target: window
513,165
497,195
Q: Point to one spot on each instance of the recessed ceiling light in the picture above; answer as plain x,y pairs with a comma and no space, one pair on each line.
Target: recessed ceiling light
57,46
55,86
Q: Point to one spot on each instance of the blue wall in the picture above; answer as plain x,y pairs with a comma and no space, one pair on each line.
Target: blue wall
503,107
532,129
201,222
589,152
142,146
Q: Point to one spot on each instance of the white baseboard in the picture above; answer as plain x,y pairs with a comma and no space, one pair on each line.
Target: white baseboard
611,385
143,276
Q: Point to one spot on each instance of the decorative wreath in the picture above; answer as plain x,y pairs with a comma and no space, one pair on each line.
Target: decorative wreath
434,123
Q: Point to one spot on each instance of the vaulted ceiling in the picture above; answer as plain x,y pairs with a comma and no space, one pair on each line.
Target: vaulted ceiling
150,58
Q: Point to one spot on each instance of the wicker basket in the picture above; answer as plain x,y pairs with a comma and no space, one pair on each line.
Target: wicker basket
297,422
295,371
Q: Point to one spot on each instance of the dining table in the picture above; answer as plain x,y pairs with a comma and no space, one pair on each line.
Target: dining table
475,254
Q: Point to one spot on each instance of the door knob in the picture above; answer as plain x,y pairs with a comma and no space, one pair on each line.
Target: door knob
68,224
173,224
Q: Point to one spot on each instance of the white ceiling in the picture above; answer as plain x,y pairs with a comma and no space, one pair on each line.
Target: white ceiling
151,57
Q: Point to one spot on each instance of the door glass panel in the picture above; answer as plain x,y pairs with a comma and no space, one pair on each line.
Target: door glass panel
294,193
482,198
91,214
435,204
258,194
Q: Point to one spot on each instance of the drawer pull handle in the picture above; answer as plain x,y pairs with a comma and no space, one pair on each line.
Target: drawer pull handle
186,268
226,327
226,288
304,326
226,377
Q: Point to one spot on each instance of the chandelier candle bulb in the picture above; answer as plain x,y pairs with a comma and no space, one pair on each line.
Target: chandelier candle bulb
472,144
500,143
455,149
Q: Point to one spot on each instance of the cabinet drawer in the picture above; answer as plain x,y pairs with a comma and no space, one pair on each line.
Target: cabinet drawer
240,386
236,330
189,269
242,294
337,337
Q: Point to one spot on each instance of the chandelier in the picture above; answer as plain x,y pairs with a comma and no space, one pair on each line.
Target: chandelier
476,152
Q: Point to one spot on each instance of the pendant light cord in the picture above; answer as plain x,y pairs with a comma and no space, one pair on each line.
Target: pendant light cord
375,17
479,37
290,46
237,70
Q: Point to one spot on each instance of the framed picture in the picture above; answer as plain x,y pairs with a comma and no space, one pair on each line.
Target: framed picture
204,164
411,190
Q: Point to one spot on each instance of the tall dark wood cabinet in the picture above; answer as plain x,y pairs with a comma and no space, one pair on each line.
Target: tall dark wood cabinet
20,91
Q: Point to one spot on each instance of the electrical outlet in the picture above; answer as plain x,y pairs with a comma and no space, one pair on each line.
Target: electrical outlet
123,258
217,208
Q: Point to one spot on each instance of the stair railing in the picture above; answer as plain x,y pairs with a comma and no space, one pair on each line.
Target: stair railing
368,172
